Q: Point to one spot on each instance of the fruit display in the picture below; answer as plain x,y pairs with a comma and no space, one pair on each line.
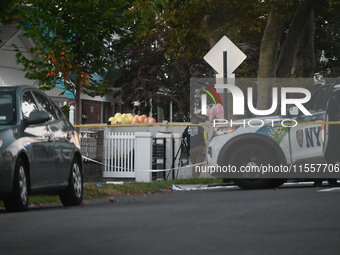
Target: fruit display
128,118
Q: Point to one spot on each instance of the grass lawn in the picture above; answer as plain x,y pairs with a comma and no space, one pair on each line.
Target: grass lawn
102,189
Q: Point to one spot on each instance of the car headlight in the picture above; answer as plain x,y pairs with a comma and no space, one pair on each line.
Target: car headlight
224,130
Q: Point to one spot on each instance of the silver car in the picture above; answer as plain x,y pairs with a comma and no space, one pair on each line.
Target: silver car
39,149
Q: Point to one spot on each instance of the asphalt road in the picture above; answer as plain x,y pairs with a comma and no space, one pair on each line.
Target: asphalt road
289,220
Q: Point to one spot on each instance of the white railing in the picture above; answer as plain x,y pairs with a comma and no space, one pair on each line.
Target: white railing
119,155
130,155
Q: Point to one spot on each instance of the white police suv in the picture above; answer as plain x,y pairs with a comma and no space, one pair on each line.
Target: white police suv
292,144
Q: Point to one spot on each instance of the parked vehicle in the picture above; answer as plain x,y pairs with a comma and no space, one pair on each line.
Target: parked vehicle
303,144
39,149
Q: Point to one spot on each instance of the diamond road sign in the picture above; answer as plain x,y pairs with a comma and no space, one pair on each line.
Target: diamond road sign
234,56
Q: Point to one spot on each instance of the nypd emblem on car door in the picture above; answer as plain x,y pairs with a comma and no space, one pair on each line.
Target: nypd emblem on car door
299,137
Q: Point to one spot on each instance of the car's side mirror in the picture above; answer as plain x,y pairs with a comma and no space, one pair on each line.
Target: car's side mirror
37,117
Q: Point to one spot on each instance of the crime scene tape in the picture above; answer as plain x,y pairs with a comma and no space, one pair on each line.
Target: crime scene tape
152,170
95,161
175,168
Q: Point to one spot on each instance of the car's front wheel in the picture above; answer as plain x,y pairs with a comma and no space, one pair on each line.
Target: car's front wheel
254,156
18,200
74,194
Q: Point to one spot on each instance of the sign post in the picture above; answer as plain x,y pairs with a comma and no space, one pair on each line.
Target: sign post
225,81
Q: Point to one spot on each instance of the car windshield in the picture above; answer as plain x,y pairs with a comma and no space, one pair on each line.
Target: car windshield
319,99
7,108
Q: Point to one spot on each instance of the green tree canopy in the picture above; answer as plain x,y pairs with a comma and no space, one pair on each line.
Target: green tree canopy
73,42
284,38
148,73
7,10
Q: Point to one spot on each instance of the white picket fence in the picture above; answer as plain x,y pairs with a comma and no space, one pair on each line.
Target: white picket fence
119,155
130,155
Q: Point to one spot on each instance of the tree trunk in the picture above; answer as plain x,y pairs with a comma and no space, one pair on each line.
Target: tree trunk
304,64
287,56
267,61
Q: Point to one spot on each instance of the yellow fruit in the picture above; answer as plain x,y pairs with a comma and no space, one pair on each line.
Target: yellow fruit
130,117
125,120
119,120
